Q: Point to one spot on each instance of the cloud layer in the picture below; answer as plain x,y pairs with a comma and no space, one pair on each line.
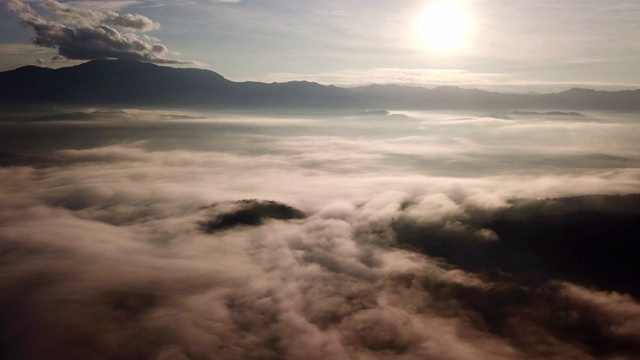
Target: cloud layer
80,34
103,253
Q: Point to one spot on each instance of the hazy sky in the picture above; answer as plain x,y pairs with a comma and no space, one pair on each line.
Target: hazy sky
507,45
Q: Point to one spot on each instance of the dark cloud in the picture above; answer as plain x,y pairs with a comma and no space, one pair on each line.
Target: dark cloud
85,34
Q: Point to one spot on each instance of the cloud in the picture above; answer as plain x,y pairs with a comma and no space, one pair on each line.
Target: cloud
56,59
87,18
618,314
17,49
114,5
80,34
104,239
18,6
138,22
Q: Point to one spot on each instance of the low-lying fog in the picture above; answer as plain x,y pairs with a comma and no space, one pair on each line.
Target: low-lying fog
164,235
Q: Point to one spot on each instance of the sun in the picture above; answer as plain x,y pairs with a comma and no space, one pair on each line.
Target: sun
445,26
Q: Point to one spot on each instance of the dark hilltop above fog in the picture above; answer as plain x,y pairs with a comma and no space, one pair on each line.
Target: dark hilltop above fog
132,83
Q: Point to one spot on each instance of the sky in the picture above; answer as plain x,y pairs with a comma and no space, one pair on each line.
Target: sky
536,45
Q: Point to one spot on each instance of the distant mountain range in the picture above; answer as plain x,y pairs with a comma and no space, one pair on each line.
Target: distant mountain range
114,83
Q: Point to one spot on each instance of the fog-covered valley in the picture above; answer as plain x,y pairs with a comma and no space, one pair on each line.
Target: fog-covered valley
345,235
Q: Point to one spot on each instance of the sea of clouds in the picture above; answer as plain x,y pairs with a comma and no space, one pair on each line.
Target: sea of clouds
103,253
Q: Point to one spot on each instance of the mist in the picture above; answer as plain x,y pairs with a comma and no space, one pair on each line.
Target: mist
354,235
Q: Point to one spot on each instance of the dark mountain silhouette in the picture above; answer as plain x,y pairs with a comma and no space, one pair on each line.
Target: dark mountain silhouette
131,83
452,98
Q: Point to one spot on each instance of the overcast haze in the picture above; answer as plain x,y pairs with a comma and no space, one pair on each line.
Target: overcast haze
540,45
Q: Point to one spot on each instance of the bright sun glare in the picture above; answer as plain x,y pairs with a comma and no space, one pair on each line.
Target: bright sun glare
445,26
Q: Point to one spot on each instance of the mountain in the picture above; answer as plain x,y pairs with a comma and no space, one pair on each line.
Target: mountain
136,84
455,98
132,83
104,82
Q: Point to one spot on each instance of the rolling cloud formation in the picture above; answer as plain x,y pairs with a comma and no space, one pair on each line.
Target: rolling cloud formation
362,236
80,34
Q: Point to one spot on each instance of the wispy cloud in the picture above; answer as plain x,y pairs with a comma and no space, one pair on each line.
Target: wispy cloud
17,49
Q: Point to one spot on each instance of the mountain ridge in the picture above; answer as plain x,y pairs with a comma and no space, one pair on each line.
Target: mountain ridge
132,83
